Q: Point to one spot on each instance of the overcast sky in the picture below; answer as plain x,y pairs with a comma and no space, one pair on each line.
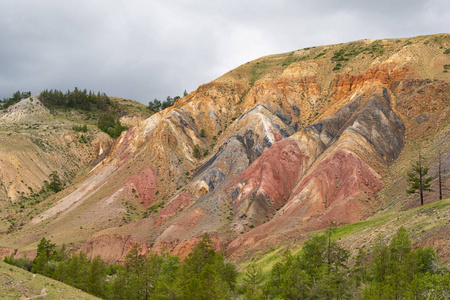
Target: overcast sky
150,49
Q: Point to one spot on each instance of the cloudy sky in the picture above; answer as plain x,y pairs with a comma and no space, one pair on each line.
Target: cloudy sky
151,49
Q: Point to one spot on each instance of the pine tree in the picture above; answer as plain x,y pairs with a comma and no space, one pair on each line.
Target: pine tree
96,283
151,273
360,268
45,251
399,268
440,177
418,180
55,184
117,129
196,152
134,266
154,106
274,286
252,281
205,275
168,285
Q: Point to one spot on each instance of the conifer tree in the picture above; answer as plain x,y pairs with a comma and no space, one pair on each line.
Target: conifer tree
418,180
96,284
45,251
205,274
277,277
441,171
196,152
252,281
55,184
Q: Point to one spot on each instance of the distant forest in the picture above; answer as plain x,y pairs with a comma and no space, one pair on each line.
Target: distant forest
107,110
84,100
321,270
80,99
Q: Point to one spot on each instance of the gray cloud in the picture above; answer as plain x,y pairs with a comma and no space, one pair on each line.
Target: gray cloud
151,49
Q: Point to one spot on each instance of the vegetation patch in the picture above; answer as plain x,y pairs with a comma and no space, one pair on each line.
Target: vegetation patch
109,122
321,54
156,105
152,209
16,283
257,71
204,274
98,106
27,207
80,99
16,97
343,55
290,59
322,269
80,128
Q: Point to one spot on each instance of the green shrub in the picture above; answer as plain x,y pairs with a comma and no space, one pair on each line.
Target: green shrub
109,123
80,128
196,152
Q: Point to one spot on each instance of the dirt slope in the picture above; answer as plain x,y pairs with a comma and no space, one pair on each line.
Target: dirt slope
36,141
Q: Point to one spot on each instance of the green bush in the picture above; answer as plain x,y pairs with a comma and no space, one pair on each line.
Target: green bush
80,128
108,122
196,152
55,184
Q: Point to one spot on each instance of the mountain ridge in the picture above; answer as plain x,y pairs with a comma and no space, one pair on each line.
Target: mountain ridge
287,143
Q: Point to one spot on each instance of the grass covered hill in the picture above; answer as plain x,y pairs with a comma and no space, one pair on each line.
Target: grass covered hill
16,283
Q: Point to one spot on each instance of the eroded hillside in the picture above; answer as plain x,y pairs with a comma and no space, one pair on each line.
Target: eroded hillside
36,141
275,148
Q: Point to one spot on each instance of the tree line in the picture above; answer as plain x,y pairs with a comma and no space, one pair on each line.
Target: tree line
80,99
156,105
108,118
324,270
321,270
108,111
16,97
204,274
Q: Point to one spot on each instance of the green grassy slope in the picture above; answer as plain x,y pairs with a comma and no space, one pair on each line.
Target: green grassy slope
420,221
16,283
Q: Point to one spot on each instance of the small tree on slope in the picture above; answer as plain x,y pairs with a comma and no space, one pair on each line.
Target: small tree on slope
418,180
